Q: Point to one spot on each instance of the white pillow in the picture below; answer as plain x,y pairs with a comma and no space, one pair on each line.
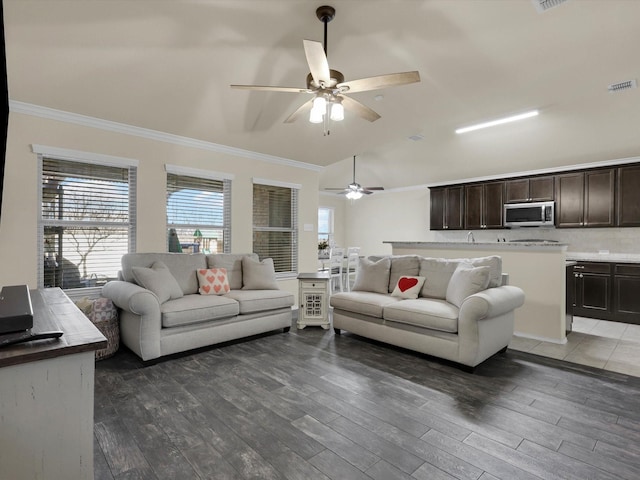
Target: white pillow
373,276
408,287
465,281
258,275
159,280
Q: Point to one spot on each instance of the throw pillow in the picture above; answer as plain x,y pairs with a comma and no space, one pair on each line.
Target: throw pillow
159,280
213,281
373,276
408,287
403,265
258,275
467,280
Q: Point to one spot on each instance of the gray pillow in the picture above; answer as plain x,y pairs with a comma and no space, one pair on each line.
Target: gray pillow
373,276
233,263
159,280
494,262
437,273
258,275
467,280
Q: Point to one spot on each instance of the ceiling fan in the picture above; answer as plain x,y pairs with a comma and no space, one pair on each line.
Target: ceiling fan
328,87
354,190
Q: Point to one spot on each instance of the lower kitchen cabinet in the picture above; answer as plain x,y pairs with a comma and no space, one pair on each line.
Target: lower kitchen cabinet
607,291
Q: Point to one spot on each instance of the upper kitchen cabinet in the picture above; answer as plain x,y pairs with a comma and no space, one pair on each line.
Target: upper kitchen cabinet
446,208
483,205
628,196
531,189
585,199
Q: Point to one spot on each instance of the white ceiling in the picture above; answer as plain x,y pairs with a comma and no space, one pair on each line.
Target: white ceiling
167,66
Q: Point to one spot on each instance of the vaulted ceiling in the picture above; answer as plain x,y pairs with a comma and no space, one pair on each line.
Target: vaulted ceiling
167,66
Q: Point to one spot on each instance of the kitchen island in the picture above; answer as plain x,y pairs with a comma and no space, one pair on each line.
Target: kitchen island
536,267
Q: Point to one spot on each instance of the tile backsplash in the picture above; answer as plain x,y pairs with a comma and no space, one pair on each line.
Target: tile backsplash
591,240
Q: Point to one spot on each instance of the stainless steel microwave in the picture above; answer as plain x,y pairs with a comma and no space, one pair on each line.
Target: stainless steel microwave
532,214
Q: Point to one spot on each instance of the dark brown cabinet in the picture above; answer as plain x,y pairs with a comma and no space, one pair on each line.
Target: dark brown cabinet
628,196
607,291
592,289
483,205
626,288
446,209
585,199
533,189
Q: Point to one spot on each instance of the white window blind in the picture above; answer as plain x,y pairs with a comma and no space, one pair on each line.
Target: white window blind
87,222
198,214
275,226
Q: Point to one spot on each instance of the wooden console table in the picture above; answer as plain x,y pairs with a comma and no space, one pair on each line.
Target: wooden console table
46,395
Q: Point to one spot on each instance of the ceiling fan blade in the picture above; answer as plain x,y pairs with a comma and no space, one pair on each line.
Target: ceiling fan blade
336,189
374,188
305,107
267,88
366,192
380,81
317,60
359,109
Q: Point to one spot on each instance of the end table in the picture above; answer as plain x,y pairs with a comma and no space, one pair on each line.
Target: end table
313,297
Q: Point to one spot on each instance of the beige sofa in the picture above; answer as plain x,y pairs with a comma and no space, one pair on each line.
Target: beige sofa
462,312
170,315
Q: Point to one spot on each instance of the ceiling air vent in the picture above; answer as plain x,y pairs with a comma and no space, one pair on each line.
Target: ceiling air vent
544,5
618,87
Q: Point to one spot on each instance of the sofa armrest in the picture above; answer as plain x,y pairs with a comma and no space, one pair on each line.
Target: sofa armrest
132,298
491,302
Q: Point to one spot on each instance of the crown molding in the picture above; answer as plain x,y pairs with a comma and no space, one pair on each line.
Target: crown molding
107,125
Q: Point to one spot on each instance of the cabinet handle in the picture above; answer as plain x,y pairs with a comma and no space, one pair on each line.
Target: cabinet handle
581,276
578,266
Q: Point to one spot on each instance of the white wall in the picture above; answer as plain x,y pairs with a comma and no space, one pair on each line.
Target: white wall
19,216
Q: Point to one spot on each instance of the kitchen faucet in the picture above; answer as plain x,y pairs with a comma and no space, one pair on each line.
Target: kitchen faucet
470,238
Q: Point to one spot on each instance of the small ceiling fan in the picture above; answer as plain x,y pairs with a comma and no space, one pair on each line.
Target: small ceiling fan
354,190
328,86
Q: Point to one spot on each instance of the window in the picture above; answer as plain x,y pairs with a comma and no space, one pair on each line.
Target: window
198,212
87,221
325,225
275,225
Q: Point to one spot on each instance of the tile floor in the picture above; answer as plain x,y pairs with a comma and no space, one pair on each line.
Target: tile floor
597,343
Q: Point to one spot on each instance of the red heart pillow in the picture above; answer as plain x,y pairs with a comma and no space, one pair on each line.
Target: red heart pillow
408,287
213,281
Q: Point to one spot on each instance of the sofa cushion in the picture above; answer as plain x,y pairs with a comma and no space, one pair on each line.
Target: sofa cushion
437,273
182,266
233,263
494,262
402,265
213,281
159,280
408,287
465,281
258,275
261,300
373,276
197,308
366,303
430,313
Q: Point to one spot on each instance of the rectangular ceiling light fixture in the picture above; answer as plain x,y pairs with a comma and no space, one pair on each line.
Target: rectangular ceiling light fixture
500,121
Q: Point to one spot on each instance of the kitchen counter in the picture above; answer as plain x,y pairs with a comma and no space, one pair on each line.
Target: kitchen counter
529,246
604,257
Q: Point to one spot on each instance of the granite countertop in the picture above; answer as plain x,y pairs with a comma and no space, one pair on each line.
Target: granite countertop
550,246
604,257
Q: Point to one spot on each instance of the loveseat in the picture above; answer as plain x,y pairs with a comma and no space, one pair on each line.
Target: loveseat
173,302
458,310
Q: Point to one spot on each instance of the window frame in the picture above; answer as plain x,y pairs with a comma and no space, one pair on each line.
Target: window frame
86,158
293,229
209,175
331,232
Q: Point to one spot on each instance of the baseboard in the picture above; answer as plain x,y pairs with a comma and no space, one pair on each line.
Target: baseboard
540,338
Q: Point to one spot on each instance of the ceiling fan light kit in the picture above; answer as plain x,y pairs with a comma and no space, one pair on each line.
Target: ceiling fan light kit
329,87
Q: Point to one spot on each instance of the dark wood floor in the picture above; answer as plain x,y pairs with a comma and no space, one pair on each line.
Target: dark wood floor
310,405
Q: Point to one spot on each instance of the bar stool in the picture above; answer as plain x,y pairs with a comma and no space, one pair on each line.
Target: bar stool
336,257
353,259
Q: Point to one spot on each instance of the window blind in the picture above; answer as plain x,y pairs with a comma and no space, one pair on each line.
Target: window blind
275,229
87,222
198,214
